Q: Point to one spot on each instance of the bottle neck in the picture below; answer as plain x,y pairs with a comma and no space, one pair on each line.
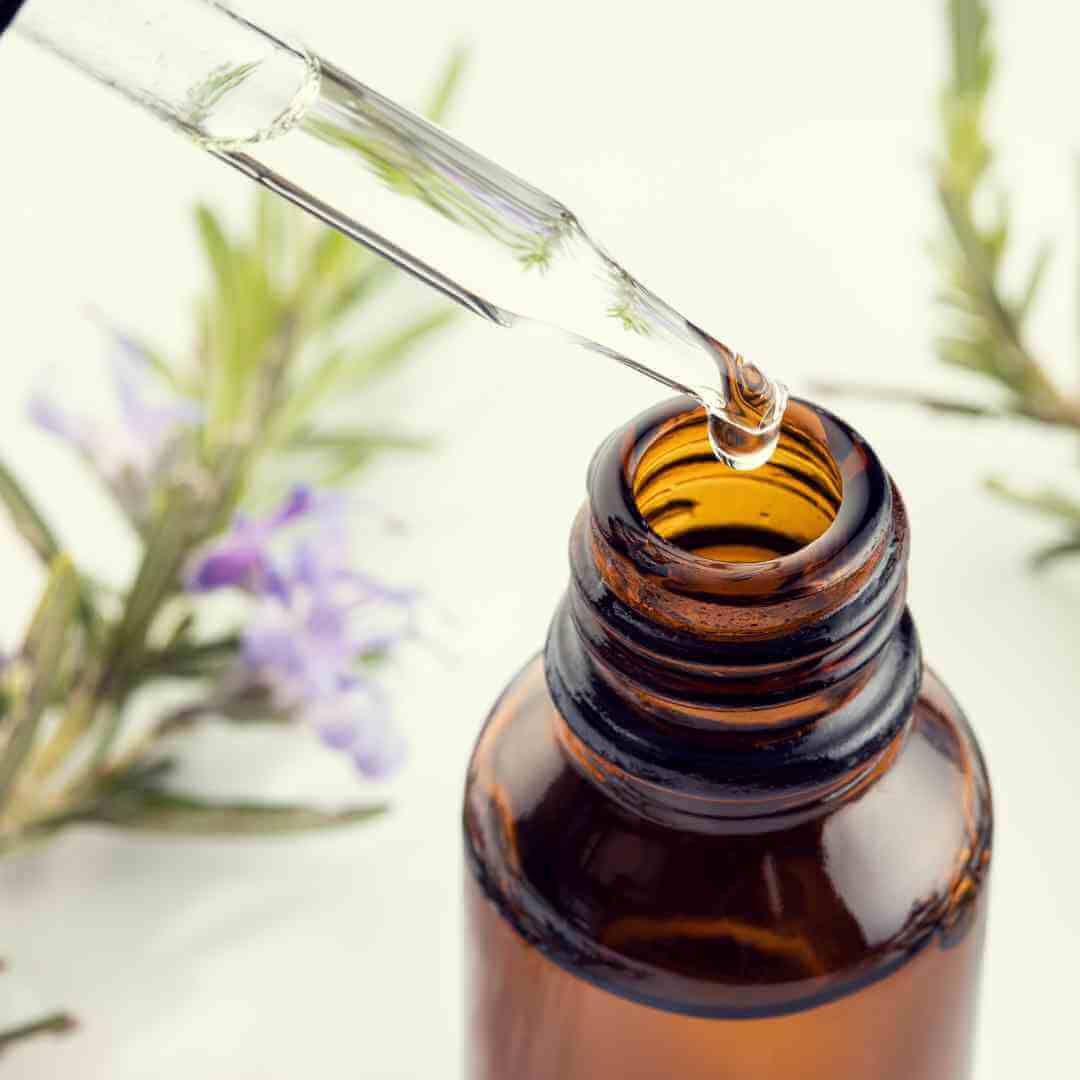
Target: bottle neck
734,644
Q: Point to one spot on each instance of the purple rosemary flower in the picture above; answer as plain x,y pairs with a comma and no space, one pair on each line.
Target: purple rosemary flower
244,557
130,449
301,651
50,416
150,424
240,560
317,623
357,723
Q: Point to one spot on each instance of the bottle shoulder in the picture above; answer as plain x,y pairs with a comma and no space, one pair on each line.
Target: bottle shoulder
731,919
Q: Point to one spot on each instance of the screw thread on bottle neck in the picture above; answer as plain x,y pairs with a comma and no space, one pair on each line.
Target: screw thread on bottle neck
738,640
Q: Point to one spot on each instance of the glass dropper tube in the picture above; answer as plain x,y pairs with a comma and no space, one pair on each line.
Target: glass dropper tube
310,132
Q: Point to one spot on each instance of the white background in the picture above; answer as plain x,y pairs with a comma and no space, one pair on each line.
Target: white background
764,167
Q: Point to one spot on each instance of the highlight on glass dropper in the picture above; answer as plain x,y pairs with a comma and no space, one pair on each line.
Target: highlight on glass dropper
307,130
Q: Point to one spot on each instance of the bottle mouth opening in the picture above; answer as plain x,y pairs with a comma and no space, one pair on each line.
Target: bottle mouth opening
811,517
693,501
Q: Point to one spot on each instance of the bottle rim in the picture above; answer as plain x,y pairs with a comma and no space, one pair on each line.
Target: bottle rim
861,521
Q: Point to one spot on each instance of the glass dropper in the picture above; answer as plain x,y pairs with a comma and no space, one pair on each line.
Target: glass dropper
305,129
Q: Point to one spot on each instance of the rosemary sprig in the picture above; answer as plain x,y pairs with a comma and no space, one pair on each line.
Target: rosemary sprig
208,435
986,323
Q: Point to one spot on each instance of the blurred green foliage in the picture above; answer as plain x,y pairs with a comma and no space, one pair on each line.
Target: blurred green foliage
985,323
276,346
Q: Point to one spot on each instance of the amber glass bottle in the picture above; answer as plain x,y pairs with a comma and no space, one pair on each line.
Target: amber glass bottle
728,827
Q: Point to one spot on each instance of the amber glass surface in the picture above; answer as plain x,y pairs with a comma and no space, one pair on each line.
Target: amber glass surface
728,826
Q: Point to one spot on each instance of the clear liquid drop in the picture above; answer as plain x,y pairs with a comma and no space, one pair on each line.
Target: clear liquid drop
744,412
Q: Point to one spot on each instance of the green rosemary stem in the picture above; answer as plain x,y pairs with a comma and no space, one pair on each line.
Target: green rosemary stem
1064,412
58,1023
178,529
1032,382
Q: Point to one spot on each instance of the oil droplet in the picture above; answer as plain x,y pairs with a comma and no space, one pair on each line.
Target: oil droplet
744,412
740,449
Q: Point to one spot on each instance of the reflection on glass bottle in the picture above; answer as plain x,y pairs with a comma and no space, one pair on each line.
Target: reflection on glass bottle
729,826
